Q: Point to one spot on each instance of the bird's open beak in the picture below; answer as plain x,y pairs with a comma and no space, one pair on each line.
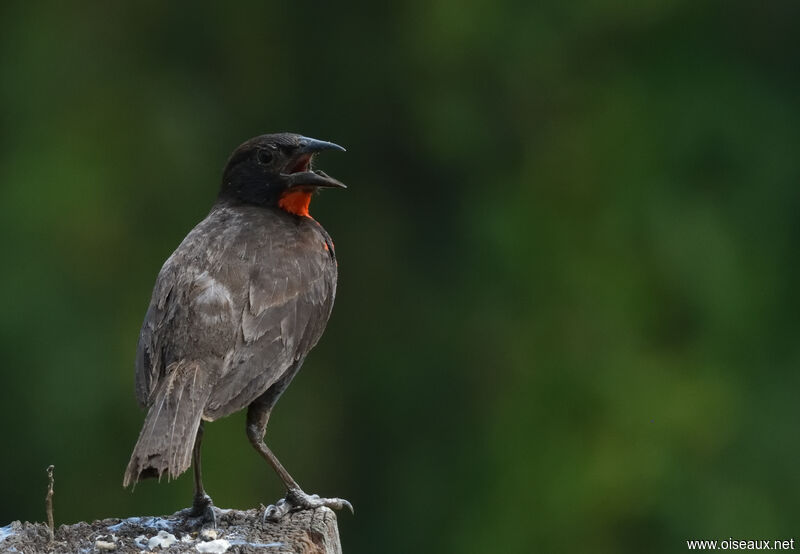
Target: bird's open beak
298,170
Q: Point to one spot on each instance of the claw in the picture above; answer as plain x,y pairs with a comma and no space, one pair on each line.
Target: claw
202,508
298,500
275,512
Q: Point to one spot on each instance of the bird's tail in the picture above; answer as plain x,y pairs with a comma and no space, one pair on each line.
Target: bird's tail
169,430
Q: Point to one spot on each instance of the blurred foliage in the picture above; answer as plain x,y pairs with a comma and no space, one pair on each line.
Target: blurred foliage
567,312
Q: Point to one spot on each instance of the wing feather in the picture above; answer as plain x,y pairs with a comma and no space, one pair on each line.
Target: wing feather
245,289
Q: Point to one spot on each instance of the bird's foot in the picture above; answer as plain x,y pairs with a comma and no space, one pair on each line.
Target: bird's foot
202,509
298,500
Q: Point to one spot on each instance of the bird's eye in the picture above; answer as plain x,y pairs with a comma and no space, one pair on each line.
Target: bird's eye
264,156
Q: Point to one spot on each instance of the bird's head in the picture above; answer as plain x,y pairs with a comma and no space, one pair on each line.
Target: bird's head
275,170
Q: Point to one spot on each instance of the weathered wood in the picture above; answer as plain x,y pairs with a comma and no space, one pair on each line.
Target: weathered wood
307,532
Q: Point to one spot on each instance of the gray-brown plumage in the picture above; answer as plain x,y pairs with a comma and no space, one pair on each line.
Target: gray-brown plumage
234,312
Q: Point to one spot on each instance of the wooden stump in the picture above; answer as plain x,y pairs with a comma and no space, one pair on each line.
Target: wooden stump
308,532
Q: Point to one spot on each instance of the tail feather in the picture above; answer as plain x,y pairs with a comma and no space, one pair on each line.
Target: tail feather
170,427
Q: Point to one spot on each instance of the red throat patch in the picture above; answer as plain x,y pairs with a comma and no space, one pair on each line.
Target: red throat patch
296,202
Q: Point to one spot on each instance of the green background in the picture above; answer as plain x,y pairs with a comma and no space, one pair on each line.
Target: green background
567,317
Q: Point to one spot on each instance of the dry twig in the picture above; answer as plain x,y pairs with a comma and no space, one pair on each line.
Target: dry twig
48,501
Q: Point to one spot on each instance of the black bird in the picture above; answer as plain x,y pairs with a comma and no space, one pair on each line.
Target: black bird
235,310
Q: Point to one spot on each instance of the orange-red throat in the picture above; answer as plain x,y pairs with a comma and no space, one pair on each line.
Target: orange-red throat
296,201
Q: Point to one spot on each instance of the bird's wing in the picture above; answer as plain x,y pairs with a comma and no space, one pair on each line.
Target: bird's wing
192,313
290,291
244,292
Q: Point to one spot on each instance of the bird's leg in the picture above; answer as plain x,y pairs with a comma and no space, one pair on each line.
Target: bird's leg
296,499
202,506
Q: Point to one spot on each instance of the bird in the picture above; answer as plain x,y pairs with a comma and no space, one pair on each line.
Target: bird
234,312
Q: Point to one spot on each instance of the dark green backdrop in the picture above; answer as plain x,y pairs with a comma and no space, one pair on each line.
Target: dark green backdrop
567,312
